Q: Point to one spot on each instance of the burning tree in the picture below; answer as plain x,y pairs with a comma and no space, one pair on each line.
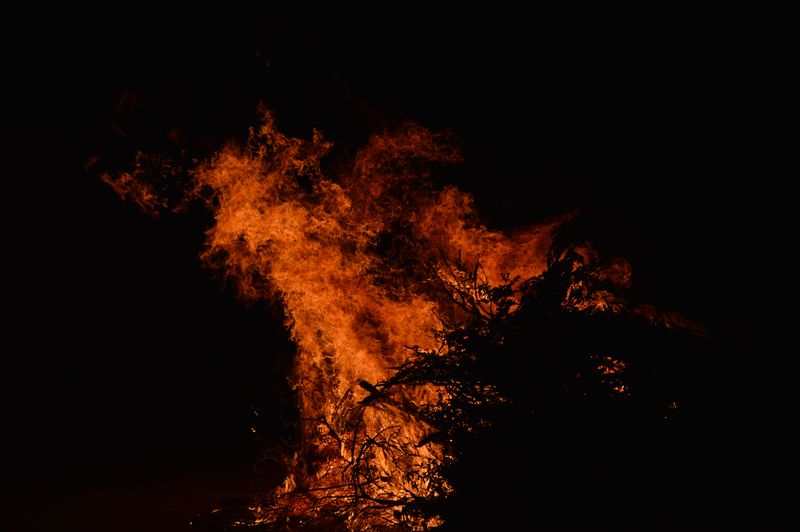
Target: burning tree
440,364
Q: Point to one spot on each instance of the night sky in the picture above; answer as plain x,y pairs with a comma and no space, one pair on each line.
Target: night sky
131,368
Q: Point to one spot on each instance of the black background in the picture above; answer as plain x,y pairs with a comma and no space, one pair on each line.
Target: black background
129,367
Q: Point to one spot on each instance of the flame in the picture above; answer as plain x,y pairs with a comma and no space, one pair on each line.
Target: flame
357,260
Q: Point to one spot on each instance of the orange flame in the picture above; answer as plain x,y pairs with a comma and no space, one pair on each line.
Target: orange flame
357,260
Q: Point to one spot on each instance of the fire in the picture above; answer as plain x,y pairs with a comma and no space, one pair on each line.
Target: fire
360,262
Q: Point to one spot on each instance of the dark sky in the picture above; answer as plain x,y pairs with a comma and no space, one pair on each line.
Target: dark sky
124,346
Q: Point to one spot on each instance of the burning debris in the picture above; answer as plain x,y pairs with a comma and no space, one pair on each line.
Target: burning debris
422,336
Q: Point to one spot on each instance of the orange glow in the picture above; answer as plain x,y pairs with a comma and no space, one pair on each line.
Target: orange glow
359,262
